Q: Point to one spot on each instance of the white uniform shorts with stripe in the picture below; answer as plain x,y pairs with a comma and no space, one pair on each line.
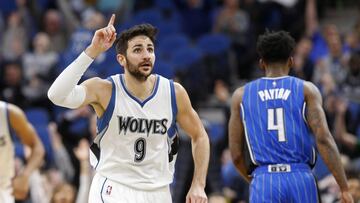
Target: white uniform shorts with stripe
5,196
104,190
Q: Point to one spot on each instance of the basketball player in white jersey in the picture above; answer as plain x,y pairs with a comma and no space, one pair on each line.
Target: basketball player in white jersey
135,149
11,185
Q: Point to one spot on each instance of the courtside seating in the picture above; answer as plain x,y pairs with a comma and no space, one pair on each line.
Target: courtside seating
214,44
151,15
170,44
185,57
164,69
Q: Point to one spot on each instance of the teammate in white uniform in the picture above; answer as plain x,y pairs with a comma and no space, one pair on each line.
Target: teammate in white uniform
13,118
135,149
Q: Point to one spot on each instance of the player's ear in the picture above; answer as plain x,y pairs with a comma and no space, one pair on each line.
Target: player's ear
290,62
262,64
121,59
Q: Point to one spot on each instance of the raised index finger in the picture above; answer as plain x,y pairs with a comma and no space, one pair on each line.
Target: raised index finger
112,20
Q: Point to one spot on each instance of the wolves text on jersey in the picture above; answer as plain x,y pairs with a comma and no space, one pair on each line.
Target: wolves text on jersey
142,125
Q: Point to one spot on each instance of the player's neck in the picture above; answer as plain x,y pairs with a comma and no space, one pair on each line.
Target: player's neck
140,89
273,72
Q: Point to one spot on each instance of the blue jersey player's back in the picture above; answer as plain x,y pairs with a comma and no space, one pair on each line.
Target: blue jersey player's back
273,115
271,119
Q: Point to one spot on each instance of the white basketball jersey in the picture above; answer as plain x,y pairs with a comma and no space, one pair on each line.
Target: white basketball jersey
7,168
137,140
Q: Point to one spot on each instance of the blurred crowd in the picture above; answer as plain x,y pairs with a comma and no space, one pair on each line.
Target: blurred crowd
206,45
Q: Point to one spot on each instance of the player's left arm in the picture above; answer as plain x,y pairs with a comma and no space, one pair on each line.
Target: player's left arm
29,137
326,145
190,122
237,135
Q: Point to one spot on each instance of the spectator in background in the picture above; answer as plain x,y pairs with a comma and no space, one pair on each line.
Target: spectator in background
346,124
235,22
12,47
12,84
120,7
196,16
313,32
54,27
65,192
81,37
326,40
303,67
354,188
333,64
39,70
86,172
73,126
280,14
62,159
351,86
28,14
352,38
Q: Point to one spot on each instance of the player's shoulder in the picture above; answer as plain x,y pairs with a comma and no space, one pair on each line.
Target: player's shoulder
180,91
240,90
238,94
165,80
253,82
310,87
296,79
13,109
15,112
311,90
98,82
3,104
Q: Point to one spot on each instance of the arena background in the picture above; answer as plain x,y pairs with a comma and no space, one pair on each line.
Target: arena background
208,46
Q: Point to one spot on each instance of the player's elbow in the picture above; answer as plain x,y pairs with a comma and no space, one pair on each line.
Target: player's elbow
58,100
324,140
54,97
71,100
38,149
236,158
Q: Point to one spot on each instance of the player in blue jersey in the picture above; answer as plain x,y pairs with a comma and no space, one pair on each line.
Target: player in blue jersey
270,130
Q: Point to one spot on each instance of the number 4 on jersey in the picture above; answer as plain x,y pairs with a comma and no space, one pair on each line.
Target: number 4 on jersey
279,126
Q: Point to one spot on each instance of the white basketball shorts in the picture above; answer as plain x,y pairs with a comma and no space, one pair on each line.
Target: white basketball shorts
104,190
5,196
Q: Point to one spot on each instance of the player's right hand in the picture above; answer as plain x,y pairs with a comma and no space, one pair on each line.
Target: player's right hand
346,197
20,186
196,194
103,39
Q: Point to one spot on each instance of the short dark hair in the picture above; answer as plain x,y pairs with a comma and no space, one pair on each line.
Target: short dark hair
275,46
126,35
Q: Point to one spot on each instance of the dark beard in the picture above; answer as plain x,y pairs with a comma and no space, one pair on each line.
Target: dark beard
134,70
138,75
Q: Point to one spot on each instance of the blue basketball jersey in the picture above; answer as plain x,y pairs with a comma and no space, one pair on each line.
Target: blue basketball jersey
273,114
